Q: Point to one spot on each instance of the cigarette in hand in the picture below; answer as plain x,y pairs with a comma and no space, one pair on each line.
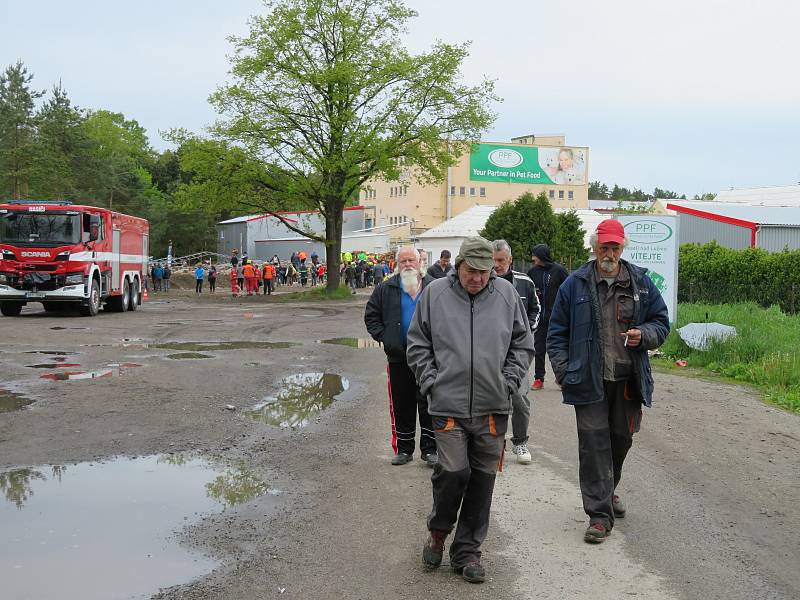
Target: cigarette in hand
626,340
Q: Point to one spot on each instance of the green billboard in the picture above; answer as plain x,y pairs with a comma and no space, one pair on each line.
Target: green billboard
528,164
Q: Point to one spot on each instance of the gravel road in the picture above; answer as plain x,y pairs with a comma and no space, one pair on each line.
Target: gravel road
712,484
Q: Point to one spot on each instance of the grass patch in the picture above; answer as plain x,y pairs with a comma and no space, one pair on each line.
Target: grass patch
764,352
315,294
188,355
213,346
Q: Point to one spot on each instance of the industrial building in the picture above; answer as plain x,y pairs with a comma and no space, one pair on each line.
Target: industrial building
262,236
739,224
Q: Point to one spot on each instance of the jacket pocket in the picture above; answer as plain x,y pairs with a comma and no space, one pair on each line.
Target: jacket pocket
572,375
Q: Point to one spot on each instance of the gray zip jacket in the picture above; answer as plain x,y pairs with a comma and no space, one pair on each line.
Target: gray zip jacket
469,354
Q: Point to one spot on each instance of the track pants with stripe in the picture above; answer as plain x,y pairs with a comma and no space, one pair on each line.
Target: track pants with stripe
405,403
463,482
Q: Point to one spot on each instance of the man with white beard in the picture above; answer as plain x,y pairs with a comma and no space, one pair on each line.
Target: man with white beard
606,316
387,317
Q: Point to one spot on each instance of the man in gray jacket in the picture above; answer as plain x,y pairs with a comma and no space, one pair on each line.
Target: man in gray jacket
521,404
469,346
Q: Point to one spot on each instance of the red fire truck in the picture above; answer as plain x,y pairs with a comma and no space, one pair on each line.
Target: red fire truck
70,256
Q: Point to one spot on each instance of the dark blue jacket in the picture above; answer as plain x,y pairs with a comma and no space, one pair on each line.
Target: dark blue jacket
573,339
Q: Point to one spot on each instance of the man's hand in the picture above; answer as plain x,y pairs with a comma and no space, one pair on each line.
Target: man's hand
633,337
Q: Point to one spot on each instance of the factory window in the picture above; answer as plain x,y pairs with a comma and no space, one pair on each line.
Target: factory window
405,190
462,190
560,194
571,195
552,194
472,191
483,192
452,190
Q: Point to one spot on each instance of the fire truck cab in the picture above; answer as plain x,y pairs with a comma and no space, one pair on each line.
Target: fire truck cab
70,257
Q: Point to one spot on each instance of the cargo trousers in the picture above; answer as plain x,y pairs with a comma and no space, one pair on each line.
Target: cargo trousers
470,451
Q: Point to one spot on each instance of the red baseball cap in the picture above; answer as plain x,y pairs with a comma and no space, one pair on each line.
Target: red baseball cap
610,231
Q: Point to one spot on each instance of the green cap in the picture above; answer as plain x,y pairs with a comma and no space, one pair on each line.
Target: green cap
477,252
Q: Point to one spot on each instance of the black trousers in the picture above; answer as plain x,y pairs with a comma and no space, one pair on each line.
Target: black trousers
267,286
405,403
540,346
212,285
198,286
605,434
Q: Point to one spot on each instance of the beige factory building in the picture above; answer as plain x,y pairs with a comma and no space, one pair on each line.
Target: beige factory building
493,173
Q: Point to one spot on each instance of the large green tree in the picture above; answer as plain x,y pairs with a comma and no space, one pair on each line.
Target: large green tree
17,130
523,223
325,97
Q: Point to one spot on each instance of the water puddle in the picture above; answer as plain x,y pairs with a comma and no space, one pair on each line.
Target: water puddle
214,346
188,355
50,352
55,365
78,375
353,342
106,530
60,328
300,397
9,401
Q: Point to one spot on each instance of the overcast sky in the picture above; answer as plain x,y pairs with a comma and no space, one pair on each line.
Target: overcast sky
693,96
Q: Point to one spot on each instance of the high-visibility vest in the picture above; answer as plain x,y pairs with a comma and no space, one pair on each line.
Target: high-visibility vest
269,271
248,270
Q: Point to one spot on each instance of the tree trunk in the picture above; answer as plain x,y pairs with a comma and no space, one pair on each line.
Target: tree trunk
333,245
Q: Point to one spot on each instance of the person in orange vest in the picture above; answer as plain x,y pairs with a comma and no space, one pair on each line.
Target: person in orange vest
234,282
249,277
268,274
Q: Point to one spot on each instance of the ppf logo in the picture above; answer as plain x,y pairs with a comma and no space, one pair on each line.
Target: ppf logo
33,254
505,158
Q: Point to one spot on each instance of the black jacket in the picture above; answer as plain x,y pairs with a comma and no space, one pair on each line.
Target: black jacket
436,271
547,280
527,292
384,317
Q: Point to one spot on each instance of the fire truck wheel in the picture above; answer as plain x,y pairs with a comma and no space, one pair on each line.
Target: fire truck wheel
125,299
135,293
11,309
93,307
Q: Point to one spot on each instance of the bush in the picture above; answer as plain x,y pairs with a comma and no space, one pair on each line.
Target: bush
713,274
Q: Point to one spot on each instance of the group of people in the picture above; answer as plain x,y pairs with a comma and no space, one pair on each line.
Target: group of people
160,275
460,340
247,277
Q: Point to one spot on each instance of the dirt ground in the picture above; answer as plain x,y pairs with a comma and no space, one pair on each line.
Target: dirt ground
712,483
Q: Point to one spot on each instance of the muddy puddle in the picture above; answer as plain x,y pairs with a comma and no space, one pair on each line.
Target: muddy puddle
10,402
352,342
213,346
54,365
50,352
107,530
299,399
110,370
60,328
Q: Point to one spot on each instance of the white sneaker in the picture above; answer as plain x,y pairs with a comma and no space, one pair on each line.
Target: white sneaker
523,455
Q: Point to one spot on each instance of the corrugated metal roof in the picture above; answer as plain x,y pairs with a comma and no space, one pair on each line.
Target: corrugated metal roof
777,195
763,215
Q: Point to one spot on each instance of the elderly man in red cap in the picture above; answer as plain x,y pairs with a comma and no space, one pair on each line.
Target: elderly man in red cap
606,316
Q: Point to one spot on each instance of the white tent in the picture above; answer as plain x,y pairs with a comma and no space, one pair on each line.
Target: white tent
450,234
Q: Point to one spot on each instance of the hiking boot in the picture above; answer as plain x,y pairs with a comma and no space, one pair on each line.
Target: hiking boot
401,458
596,533
472,572
618,506
522,452
434,548
538,384
431,459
